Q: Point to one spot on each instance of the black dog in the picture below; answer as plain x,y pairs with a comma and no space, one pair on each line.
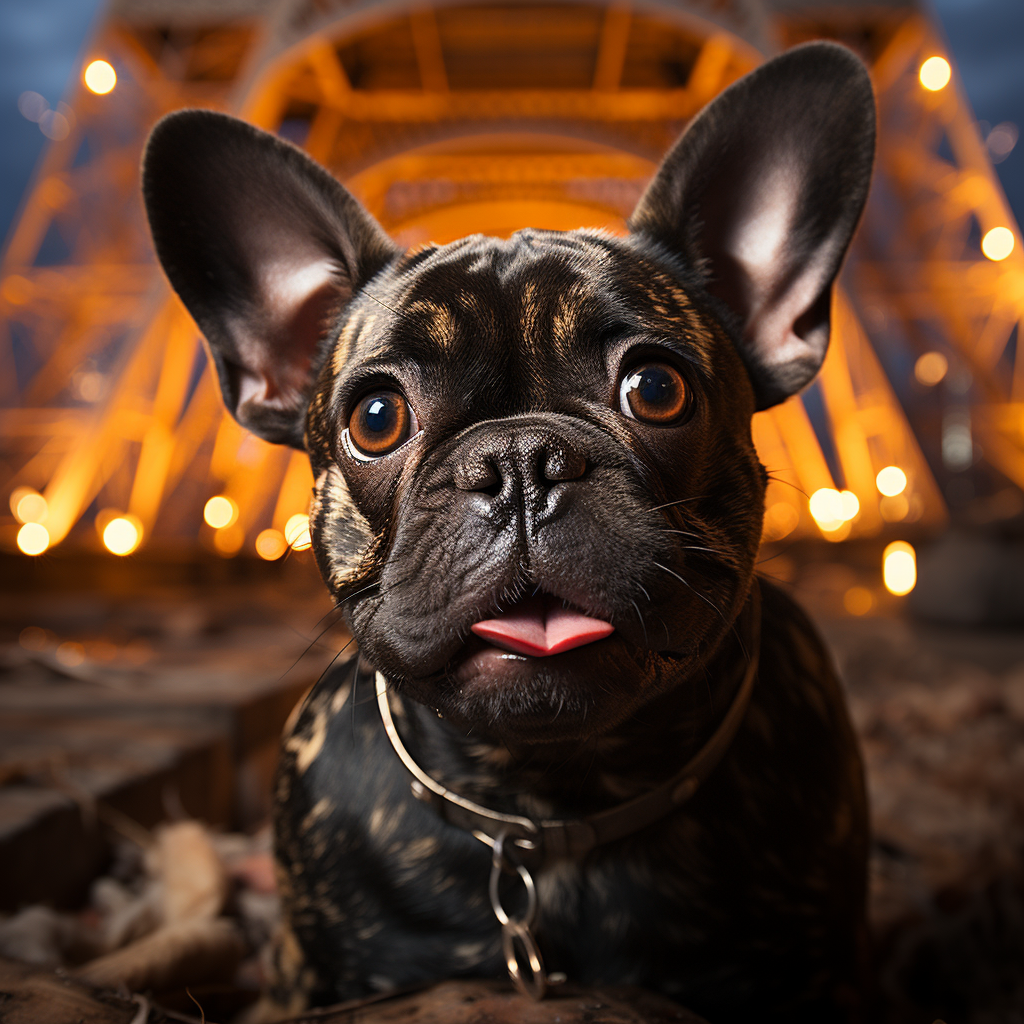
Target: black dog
538,502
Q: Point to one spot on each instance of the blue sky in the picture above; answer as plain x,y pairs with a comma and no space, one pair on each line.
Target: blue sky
41,42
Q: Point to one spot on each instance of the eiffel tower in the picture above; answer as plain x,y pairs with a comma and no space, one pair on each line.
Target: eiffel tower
491,116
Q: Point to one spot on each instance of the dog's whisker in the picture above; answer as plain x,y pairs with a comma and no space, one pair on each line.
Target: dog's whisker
781,551
668,636
641,618
401,314
558,710
314,642
681,501
312,690
362,590
327,614
685,583
789,483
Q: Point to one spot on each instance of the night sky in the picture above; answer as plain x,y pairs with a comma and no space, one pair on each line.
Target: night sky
42,42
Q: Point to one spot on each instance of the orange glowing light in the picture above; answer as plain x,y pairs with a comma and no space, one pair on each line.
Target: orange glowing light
837,534
858,601
780,520
122,535
228,540
32,509
33,539
28,505
296,532
894,509
931,368
70,653
100,77
935,73
832,509
899,568
998,244
220,512
271,545
891,481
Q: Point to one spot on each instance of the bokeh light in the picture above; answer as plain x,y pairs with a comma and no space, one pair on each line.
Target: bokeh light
220,511
780,520
832,509
935,73
228,540
891,481
894,508
827,508
296,532
33,539
32,105
70,654
899,568
100,77
55,125
34,638
121,536
998,244
858,601
28,505
271,545
931,368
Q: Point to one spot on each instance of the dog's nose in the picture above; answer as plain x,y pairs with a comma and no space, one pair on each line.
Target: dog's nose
562,462
537,459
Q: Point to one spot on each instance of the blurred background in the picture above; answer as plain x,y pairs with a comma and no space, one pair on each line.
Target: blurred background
161,613
490,118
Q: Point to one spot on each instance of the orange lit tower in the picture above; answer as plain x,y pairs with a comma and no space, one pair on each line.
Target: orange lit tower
477,116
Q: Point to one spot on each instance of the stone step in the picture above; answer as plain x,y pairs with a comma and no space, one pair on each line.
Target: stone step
123,706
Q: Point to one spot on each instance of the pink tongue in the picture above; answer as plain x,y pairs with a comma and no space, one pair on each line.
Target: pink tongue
541,626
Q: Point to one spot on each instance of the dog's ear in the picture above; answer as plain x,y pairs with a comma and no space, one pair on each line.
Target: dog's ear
762,194
264,247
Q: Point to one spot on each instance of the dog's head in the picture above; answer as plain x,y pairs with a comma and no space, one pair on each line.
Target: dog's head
536,496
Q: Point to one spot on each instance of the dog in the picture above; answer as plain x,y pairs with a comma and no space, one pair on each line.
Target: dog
580,739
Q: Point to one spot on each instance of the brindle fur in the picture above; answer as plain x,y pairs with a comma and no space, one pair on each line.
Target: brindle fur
730,907
748,902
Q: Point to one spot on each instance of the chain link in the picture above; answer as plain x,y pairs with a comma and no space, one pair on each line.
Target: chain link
522,955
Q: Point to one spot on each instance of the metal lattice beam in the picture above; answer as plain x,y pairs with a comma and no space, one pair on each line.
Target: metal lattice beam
114,408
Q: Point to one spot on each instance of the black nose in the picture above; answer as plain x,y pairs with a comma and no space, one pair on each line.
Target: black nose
530,459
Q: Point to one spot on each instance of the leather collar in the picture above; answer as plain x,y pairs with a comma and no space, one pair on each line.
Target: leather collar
551,839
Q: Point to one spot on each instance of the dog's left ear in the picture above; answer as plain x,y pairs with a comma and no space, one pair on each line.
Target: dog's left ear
762,194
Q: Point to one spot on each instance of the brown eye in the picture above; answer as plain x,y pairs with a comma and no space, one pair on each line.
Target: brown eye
380,423
653,393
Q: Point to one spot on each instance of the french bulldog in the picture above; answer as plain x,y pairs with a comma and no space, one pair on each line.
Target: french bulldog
581,740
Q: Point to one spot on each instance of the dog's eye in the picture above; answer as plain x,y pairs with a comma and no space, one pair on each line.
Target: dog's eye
653,393
380,423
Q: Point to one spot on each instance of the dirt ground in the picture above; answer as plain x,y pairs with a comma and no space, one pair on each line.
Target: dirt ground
939,710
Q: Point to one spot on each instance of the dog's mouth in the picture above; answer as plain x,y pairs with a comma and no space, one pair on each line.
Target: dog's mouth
543,670
541,626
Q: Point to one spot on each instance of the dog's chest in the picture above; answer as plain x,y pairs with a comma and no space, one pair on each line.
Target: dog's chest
381,888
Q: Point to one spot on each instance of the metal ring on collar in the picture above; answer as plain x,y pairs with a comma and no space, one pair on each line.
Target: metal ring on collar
536,985
500,863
